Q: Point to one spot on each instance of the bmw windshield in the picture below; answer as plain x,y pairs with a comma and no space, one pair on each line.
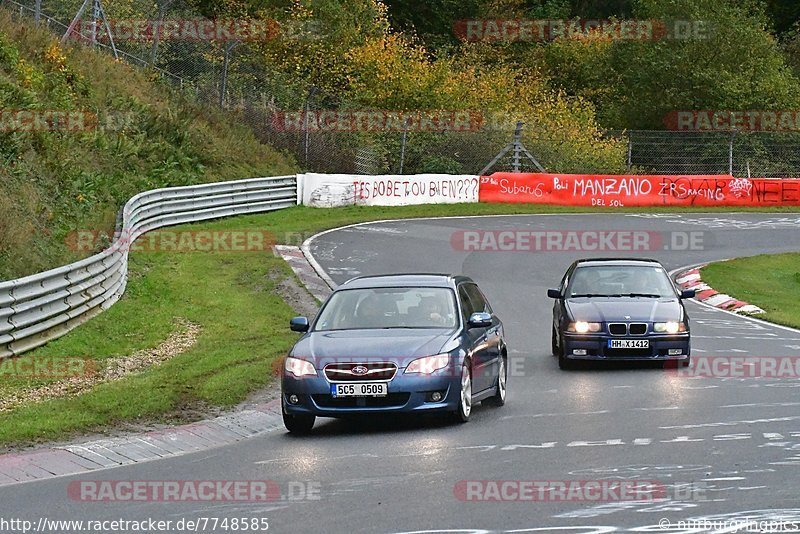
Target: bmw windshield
620,281
396,307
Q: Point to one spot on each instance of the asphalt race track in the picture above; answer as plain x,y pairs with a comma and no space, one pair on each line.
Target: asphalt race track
721,448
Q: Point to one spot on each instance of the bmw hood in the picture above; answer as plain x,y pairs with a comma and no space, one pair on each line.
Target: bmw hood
395,345
596,310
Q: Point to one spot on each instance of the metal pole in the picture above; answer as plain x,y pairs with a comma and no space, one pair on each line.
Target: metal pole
37,11
107,27
403,147
305,131
159,28
630,152
74,22
517,145
730,153
223,85
95,19
305,123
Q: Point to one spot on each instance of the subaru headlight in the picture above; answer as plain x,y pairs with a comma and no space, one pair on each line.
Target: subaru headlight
299,368
428,364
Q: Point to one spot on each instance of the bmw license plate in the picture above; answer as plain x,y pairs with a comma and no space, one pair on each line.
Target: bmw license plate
378,389
629,343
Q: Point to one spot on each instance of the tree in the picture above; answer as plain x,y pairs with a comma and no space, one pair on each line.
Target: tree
732,63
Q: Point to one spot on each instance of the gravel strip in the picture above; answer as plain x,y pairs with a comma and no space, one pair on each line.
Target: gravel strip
178,342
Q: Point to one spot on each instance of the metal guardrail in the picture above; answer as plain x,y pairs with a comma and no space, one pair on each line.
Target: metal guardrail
44,306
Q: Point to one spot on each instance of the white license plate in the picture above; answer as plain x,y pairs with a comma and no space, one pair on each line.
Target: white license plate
377,389
629,343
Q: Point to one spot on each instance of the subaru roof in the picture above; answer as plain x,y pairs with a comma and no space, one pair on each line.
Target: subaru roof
405,280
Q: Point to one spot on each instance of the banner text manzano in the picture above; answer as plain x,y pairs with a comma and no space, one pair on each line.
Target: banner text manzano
638,190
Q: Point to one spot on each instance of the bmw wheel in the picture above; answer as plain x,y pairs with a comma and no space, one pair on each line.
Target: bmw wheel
464,409
554,345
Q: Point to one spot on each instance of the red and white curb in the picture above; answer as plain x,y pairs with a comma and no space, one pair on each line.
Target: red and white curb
99,454
690,279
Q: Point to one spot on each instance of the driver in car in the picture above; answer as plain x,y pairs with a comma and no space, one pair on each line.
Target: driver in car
432,310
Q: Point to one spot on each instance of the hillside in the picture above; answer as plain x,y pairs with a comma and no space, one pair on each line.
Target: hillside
80,133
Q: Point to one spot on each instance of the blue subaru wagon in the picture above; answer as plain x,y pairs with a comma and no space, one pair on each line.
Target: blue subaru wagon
407,343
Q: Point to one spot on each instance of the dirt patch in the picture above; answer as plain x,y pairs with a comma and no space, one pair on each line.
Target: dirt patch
303,303
295,295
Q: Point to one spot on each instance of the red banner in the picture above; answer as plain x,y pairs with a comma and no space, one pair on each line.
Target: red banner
635,190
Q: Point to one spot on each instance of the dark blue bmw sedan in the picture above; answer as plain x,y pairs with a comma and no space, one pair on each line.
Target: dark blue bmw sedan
418,343
619,309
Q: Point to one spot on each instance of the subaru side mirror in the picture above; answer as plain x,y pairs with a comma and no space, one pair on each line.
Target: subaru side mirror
479,320
299,324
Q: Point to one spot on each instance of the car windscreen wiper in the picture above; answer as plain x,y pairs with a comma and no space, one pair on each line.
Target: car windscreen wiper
591,295
646,295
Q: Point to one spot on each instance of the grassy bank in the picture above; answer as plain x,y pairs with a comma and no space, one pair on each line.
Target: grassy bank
234,300
129,133
770,281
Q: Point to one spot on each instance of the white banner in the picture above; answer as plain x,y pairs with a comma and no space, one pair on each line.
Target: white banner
331,190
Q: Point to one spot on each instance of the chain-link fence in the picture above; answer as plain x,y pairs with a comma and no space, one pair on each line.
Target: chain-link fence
757,154
753,154
232,74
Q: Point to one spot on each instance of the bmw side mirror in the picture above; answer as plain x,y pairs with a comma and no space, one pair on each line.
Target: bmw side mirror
299,324
688,293
479,320
554,293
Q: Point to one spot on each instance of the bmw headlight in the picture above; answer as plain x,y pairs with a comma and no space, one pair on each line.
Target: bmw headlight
670,327
583,327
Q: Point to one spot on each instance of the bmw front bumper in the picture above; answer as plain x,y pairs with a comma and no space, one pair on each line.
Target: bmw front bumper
595,347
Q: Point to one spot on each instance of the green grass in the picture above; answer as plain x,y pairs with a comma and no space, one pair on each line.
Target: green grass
243,328
230,295
770,281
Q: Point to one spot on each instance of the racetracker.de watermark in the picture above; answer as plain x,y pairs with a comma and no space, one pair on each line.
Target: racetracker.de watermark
538,30
47,367
378,121
43,120
576,240
192,491
738,367
577,491
166,240
787,120
179,30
